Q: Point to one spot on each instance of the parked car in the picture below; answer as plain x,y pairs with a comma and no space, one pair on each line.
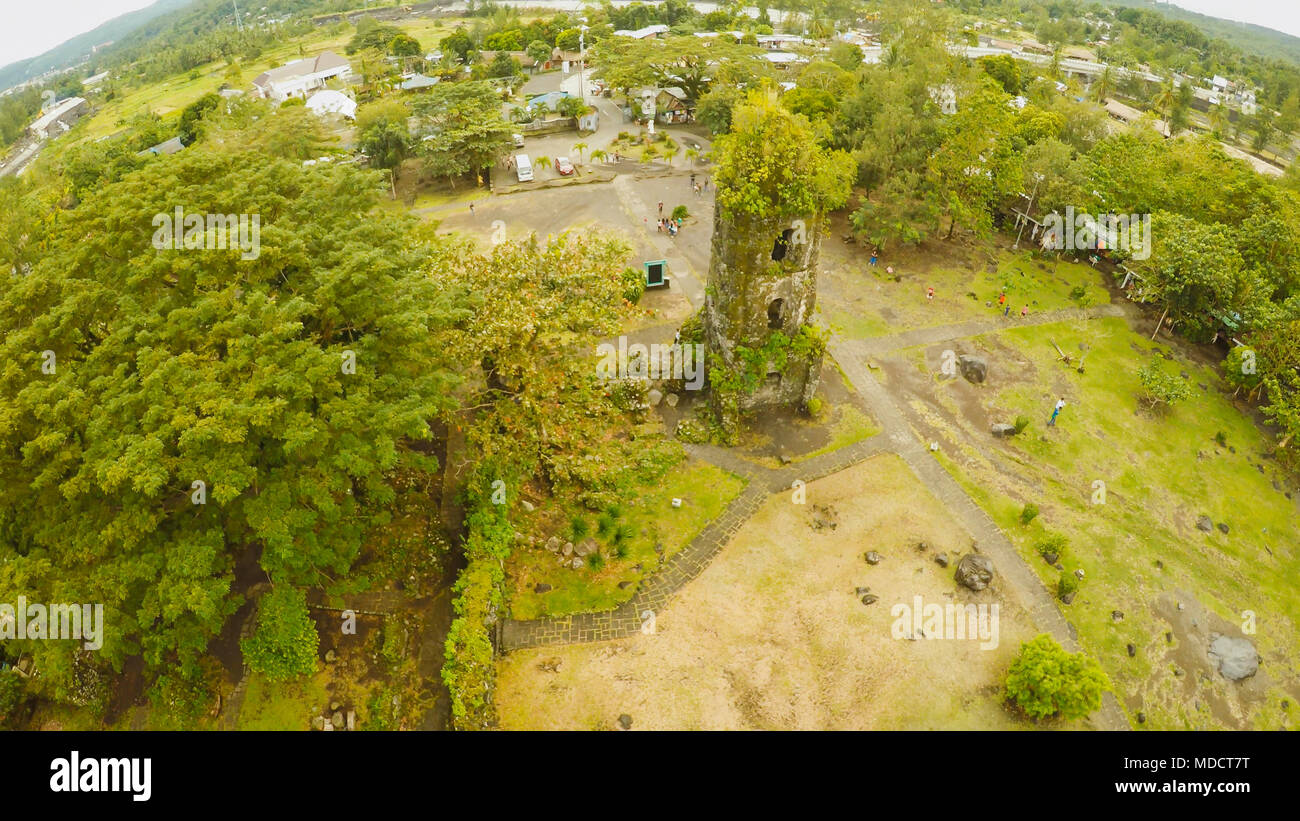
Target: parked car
563,166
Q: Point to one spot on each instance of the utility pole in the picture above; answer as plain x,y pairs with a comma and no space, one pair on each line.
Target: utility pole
582,63
238,22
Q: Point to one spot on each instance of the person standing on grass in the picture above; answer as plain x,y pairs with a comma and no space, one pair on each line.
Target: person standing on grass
873,259
471,209
929,294
1024,312
1002,298
1007,311
1056,411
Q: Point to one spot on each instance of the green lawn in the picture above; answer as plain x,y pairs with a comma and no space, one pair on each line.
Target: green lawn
881,306
705,491
287,705
1160,472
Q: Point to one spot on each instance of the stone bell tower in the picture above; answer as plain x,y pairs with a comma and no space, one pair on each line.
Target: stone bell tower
763,284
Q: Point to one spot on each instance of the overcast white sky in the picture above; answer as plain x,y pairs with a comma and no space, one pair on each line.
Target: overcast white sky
32,27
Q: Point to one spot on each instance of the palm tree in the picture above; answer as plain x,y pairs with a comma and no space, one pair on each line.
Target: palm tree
669,149
692,155
579,147
1103,85
598,155
1163,101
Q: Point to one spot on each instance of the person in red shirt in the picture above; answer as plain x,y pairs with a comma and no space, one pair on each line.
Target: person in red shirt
929,294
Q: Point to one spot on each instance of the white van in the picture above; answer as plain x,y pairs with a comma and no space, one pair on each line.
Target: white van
524,168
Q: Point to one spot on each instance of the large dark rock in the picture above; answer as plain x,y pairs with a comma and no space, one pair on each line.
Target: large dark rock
1204,524
1236,658
973,369
974,571
872,557
1003,430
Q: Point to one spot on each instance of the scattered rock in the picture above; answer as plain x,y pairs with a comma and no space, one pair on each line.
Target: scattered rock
1002,429
550,665
576,564
1117,615
671,400
1160,565
318,723
330,656
1078,574
352,719
1204,524
1180,605
1050,558
586,547
861,591
941,559
654,397
1236,658
975,571
526,505
337,719
624,585
1169,638
973,369
823,517
1142,718
1068,598
1223,528
542,588
920,546
328,726
625,722
1132,650
870,598
334,706
872,557
553,544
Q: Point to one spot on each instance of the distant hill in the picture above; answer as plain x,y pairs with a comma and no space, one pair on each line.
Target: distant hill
1250,38
77,49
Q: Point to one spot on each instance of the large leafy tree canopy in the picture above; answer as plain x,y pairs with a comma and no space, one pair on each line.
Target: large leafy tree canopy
172,367
770,164
693,64
461,128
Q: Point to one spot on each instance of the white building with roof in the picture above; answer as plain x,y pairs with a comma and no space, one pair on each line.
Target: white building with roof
656,30
332,102
58,118
298,78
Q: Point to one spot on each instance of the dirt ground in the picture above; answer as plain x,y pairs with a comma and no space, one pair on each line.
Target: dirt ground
772,635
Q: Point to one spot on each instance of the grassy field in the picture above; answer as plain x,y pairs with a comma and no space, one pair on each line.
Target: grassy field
771,635
1140,541
650,518
871,303
169,96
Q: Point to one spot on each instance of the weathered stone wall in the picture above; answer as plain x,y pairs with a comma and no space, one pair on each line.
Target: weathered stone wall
751,295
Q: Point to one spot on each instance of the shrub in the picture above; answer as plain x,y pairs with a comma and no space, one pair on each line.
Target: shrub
605,526
633,284
1046,682
1028,513
680,212
1068,583
1022,422
814,406
1051,543
623,534
595,561
11,695
1221,439
284,644
1159,387
621,550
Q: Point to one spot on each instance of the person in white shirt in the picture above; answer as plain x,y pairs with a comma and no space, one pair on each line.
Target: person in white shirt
1060,403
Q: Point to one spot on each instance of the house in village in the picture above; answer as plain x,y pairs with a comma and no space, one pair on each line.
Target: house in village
300,77
656,31
58,118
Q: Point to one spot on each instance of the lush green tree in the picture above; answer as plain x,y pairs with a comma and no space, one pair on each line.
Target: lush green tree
201,406
383,132
404,45
692,64
715,108
192,115
1160,388
1047,682
769,164
1003,68
462,128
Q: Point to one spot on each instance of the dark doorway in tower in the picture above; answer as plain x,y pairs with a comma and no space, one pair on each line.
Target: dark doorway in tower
774,313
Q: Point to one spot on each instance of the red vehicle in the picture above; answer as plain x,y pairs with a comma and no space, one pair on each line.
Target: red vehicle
563,166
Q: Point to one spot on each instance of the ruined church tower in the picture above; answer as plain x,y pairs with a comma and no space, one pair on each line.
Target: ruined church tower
763,282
